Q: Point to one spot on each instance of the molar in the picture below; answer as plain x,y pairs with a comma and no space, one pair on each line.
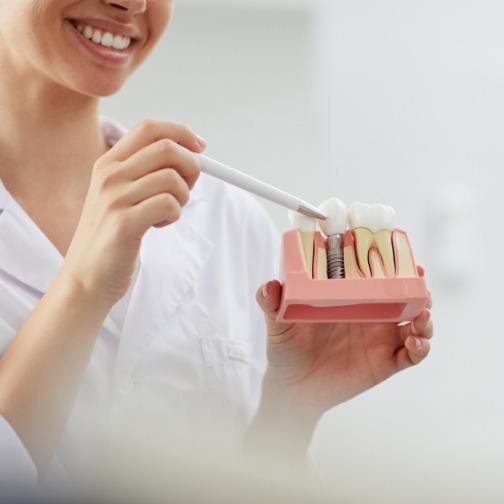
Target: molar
372,227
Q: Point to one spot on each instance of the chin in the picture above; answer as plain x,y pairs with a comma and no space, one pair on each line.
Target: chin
99,89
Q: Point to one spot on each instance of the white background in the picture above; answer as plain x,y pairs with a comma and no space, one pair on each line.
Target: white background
383,101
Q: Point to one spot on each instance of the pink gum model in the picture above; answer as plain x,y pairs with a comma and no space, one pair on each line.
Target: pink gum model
304,299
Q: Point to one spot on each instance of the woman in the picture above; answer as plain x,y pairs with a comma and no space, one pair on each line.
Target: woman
126,280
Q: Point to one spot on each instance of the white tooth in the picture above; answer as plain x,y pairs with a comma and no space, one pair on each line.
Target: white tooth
336,222
302,222
118,42
373,217
88,32
372,227
107,39
97,36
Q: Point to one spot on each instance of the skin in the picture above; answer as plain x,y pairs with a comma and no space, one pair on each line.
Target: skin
111,197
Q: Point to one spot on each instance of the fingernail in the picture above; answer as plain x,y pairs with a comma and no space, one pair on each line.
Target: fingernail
265,290
418,342
201,142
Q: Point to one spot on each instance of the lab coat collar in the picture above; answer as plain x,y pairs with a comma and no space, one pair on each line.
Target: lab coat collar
22,243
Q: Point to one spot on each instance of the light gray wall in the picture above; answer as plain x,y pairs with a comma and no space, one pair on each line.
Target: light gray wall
388,101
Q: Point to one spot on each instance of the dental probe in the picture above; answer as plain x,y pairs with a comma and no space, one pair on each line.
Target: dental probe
255,186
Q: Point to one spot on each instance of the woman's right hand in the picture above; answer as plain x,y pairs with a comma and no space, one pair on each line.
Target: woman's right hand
142,181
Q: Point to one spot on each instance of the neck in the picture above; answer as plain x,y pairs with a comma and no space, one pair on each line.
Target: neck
49,139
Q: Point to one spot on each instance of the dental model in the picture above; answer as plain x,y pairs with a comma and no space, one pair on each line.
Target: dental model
334,227
381,282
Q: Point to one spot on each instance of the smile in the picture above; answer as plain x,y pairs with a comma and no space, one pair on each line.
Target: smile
103,38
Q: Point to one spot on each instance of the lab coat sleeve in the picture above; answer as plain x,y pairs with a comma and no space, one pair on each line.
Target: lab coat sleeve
16,466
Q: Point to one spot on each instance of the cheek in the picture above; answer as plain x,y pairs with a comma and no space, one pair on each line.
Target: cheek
159,13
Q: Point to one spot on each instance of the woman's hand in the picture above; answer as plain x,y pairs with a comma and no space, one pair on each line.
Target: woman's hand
312,367
315,366
142,181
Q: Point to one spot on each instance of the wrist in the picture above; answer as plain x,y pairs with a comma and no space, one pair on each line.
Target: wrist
81,294
281,428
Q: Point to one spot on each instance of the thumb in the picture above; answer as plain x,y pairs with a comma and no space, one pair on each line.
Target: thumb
268,297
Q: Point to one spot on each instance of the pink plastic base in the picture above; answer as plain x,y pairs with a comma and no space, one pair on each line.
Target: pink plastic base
344,300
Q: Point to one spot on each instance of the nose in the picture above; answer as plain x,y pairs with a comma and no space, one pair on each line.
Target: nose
132,6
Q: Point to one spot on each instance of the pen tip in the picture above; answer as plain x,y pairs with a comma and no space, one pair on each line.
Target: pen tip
311,211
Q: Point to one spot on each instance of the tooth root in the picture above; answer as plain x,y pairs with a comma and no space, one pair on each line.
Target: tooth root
383,242
405,265
363,240
319,258
306,246
350,261
376,264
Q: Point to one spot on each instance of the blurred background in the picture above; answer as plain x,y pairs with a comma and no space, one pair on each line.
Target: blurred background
382,101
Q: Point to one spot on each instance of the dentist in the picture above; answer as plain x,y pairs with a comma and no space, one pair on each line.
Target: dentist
128,282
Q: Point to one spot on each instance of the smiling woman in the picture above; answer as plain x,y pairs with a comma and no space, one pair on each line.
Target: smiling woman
111,248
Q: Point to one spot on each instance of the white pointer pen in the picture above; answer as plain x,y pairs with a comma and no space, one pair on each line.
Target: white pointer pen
255,186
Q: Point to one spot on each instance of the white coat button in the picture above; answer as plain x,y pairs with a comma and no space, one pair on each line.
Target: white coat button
127,386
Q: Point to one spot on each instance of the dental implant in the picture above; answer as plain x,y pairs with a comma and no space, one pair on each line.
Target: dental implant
334,227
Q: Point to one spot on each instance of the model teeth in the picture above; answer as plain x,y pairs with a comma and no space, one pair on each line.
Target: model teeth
372,217
106,39
372,227
370,248
336,222
302,222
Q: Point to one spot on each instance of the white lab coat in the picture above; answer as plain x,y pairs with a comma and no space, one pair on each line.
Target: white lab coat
191,353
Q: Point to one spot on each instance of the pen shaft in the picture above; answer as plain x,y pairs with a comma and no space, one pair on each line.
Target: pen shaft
255,186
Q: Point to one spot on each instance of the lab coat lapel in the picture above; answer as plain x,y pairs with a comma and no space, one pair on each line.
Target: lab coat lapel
171,259
22,243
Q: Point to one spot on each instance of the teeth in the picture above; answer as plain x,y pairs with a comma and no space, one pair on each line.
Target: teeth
373,217
372,227
336,222
105,39
302,222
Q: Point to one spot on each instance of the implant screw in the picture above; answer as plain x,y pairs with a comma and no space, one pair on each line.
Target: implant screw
335,261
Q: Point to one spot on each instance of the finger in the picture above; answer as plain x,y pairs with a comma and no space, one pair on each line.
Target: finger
148,132
416,349
421,326
161,209
163,154
161,181
429,302
268,296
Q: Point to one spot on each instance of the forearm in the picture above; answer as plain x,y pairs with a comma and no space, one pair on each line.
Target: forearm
279,433
41,370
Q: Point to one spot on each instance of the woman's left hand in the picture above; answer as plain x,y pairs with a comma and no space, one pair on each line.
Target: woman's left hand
315,366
